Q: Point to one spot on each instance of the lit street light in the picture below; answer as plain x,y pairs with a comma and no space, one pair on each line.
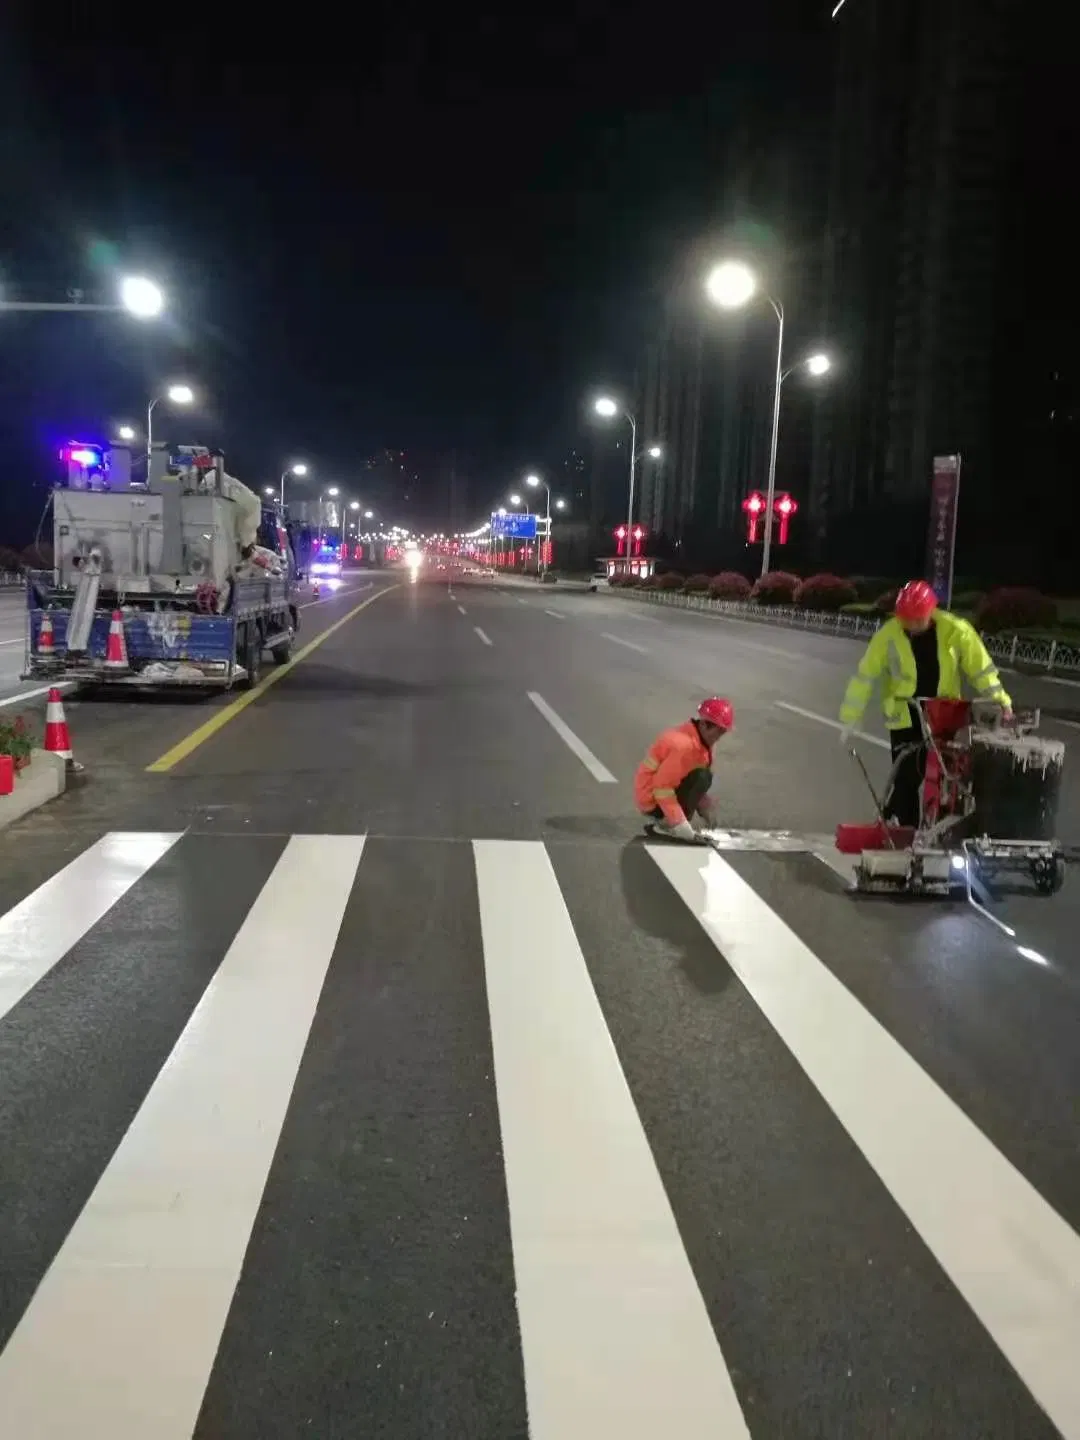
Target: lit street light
298,469
541,551
125,432
369,514
175,395
269,490
136,296
141,297
731,285
608,409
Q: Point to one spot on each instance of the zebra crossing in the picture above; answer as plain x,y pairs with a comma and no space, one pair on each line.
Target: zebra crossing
356,1136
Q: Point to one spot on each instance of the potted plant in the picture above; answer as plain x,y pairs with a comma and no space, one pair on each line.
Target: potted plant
15,741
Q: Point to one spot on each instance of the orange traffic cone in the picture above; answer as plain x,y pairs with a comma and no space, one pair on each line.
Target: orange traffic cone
57,735
315,590
116,656
45,638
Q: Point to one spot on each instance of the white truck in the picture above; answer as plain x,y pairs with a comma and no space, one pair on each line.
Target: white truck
176,558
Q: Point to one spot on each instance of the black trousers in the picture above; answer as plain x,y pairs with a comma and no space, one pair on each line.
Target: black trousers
689,794
902,803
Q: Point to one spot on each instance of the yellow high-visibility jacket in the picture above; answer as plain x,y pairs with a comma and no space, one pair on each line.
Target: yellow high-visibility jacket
890,659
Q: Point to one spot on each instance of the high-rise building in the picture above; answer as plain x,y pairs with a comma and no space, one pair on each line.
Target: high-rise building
921,154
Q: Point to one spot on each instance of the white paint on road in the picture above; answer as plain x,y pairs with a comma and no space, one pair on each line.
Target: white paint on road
833,724
1013,1258
629,644
520,601
615,1336
485,639
121,1334
19,640
21,695
555,614
41,929
572,742
461,610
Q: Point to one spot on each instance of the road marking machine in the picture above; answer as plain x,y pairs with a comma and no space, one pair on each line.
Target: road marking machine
988,801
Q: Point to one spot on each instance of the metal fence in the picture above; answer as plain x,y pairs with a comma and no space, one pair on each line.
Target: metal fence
1049,655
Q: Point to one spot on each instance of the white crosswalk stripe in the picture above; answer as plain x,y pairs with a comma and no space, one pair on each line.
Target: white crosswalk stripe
141,1302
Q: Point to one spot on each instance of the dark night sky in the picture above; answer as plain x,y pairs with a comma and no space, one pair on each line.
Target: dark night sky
431,234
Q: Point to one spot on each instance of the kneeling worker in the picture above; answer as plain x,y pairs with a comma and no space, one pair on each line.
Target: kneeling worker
672,782
920,653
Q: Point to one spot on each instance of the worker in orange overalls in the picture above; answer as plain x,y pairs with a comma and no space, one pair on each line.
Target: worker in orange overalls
672,782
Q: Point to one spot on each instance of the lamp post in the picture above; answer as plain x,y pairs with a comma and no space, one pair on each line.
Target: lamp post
298,469
731,285
176,395
332,492
541,558
608,409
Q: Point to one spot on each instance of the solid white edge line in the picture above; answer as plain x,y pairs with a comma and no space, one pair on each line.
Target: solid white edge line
121,1334
595,768
25,695
618,640
485,639
1012,1257
615,1336
833,724
38,932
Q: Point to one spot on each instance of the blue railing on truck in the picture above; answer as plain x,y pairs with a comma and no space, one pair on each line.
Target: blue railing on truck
150,635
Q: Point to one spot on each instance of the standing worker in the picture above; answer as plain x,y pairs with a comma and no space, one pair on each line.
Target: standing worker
920,653
672,782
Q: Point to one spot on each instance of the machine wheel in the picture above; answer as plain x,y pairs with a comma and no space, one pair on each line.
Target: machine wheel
281,653
1048,875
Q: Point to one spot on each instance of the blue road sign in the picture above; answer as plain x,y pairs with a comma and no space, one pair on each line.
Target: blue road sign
514,527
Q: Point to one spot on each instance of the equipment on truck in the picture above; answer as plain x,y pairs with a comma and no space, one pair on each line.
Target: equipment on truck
988,810
161,581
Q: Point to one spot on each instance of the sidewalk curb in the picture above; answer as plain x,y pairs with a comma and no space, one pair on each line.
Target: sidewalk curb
43,780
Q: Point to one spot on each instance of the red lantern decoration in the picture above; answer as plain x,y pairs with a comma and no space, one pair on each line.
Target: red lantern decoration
784,507
753,508
620,538
638,535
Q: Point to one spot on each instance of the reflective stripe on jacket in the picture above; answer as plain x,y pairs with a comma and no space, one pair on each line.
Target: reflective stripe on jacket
672,756
890,659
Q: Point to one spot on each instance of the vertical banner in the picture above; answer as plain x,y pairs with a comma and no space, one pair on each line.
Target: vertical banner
941,542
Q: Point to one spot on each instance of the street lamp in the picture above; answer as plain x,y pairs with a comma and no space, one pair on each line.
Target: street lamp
541,557
136,296
608,409
731,285
141,297
175,395
298,469
125,432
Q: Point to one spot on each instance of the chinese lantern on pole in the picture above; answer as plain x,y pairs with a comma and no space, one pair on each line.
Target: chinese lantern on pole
784,507
620,539
753,508
638,536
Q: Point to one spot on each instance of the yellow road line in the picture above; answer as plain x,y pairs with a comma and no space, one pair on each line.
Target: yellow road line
183,748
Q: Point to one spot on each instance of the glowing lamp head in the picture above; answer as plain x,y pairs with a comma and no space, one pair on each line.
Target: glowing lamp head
141,297
606,407
125,432
786,506
532,480
620,533
655,452
818,364
754,504
731,285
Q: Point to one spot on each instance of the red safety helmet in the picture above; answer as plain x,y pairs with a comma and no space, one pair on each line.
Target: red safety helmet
718,712
916,601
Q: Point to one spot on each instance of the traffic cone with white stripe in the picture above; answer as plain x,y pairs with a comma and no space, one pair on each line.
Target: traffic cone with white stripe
116,656
45,649
57,735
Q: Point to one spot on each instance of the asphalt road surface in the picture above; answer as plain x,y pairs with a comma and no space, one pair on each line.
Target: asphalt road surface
363,1072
